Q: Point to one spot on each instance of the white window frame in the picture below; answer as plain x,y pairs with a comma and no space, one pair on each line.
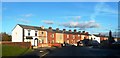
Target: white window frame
67,36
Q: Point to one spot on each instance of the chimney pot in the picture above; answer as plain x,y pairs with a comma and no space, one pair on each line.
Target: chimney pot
83,32
75,30
42,27
50,27
79,31
57,29
86,32
64,30
70,31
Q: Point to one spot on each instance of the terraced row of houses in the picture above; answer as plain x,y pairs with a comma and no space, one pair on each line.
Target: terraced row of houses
40,35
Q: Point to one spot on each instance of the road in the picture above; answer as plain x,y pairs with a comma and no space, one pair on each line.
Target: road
74,52
83,52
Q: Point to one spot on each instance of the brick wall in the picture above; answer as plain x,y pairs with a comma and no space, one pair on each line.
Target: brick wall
21,44
49,45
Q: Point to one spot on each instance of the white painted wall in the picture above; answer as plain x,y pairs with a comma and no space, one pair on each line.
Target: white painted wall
32,33
17,34
96,38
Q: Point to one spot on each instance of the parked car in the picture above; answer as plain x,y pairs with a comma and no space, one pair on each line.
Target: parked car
80,44
95,43
118,42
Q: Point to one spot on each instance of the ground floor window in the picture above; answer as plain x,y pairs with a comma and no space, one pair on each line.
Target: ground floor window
39,41
67,41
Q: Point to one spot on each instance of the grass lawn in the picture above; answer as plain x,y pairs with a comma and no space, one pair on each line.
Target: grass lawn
0,50
14,50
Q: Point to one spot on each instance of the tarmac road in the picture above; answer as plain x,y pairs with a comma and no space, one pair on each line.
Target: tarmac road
74,52
83,52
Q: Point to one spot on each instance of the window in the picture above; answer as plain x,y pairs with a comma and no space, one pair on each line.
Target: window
60,36
35,33
73,36
67,36
42,32
28,32
52,41
42,41
52,35
78,35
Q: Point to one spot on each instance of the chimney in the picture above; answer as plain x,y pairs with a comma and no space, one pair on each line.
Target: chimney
70,31
42,27
57,29
64,30
83,32
86,33
50,28
79,31
75,30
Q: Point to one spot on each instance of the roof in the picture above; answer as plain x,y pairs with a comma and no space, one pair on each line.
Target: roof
53,30
30,27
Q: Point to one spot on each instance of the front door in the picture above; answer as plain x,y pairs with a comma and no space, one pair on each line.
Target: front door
36,42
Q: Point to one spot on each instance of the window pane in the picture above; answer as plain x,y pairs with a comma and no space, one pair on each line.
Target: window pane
42,32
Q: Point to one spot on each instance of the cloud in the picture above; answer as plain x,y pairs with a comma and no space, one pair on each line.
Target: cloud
23,20
48,22
102,8
81,25
27,15
77,17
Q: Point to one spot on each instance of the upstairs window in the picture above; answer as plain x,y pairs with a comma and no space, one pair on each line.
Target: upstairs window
67,36
52,35
42,32
29,32
73,36
35,33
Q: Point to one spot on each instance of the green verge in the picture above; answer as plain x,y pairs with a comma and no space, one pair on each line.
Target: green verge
0,50
14,50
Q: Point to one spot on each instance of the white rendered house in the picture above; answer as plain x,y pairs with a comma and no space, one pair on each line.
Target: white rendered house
93,37
25,33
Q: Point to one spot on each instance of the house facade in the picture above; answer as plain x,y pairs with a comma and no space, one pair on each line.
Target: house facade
40,35
24,33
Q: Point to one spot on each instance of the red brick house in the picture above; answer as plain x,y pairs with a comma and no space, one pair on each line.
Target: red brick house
41,35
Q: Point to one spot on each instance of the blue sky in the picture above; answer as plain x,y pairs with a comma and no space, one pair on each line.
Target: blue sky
94,17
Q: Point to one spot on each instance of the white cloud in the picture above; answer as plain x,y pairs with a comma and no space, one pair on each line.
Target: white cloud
81,25
27,15
47,22
73,17
23,20
102,8
77,17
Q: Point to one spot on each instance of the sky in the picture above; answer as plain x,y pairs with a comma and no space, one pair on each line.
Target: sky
93,17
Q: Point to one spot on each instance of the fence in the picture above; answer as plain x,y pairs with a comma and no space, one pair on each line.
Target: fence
20,44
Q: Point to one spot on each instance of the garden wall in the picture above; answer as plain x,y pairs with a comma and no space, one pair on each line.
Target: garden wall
21,44
49,45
